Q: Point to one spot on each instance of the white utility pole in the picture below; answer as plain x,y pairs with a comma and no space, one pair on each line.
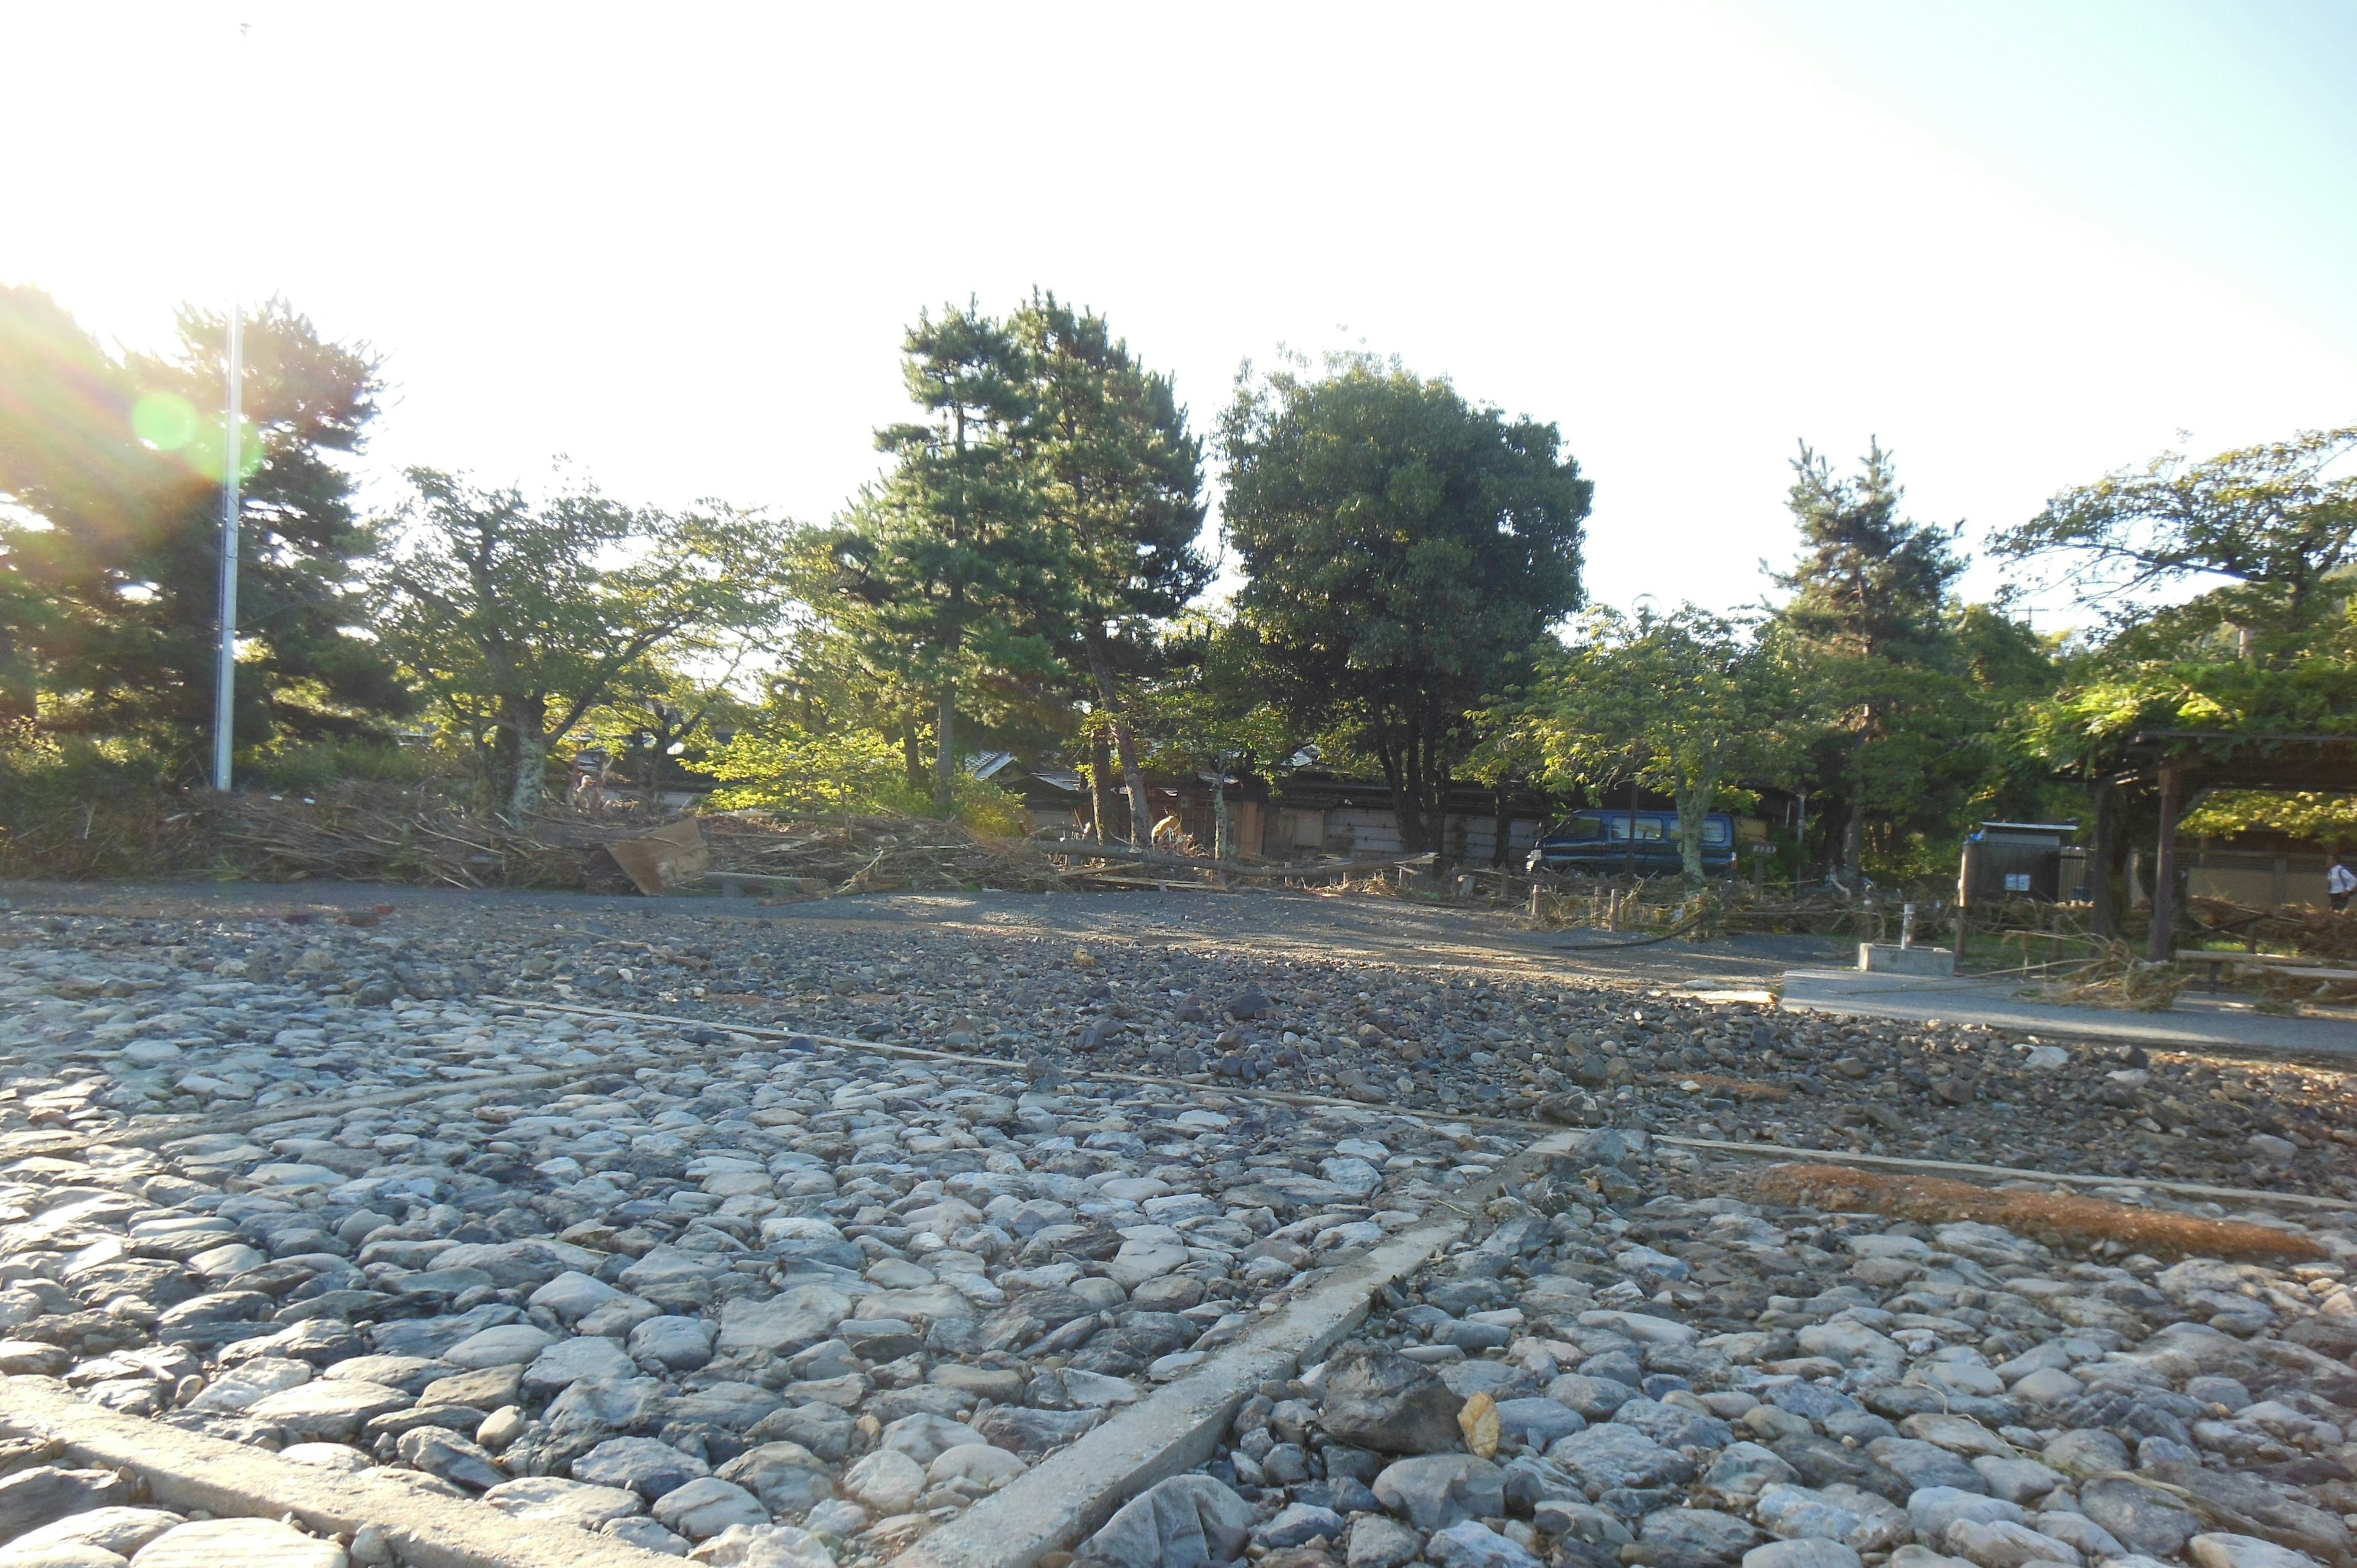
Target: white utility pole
225,666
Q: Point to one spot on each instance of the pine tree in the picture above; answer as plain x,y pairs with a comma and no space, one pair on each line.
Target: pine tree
1868,611
948,555
109,583
1120,484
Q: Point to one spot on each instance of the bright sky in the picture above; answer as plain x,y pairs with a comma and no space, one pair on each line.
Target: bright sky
2023,244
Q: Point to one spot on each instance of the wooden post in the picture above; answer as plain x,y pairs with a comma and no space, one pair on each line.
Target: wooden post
2105,849
2163,941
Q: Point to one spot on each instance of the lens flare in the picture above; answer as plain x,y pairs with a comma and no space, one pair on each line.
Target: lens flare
204,454
166,420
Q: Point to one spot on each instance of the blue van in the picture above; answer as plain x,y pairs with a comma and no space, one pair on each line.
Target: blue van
1598,842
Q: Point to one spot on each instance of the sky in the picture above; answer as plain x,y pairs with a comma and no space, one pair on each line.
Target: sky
2020,244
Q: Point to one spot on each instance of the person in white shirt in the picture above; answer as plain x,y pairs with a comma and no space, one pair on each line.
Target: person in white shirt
2340,882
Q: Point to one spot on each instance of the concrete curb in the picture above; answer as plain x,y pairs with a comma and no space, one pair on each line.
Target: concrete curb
1849,993
1176,1428
189,1470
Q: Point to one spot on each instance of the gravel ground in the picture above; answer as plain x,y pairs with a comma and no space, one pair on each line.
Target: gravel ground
1559,1391
709,1280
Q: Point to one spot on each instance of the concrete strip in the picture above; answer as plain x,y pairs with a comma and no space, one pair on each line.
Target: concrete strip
2002,1173
1176,1428
187,1470
1849,993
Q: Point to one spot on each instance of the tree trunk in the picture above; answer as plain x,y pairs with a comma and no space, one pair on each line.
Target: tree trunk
912,758
1141,822
528,721
1408,806
1500,825
1694,802
1101,785
1853,844
945,751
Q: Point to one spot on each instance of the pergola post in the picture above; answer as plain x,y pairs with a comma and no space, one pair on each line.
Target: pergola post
2163,941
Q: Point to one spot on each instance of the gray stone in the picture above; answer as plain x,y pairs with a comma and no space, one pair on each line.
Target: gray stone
1438,1489
243,1386
2224,1551
785,1323
1932,1510
1378,1541
1801,1554
1034,1431
1469,1543
676,1344
1611,1456
458,1460
644,1465
2019,1480
2001,1543
2151,1523
765,1546
924,1437
644,1533
706,1505
568,1361
1925,1464
1745,1469
1594,1398
2089,1451
1538,1421
508,1343
552,1500
1797,1512
1697,1538
1183,1523
2076,1530
820,1428
1297,1524
1378,1399
328,1411
886,1480
790,1478
119,1529
1674,1426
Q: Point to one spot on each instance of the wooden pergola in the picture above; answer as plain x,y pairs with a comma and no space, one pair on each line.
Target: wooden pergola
2186,764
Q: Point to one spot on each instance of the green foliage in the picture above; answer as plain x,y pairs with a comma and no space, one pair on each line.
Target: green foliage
852,773
2270,648
2266,524
1683,702
1119,481
299,766
111,468
1917,696
949,559
2327,820
521,619
1403,549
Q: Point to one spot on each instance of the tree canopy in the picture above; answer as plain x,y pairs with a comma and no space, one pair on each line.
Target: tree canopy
1402,550
111,468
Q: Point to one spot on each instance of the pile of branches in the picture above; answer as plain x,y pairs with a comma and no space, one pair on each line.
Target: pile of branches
360,831
874,854
2290,928
2117,976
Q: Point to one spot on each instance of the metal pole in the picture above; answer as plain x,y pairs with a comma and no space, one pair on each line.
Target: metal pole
225,667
